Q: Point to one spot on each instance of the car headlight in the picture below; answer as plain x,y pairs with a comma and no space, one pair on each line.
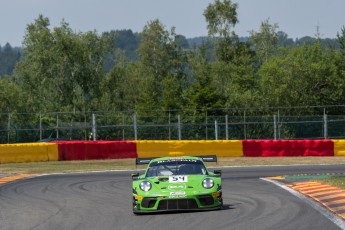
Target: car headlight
145,186
207,183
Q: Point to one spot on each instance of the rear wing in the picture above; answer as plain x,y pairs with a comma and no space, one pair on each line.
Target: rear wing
206,158
143,161
209,158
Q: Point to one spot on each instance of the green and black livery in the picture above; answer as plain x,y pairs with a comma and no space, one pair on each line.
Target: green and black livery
177,184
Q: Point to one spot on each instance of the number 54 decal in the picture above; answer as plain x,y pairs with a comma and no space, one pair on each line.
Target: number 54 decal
178,179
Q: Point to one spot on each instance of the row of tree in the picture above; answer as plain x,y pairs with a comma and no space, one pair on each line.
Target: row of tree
129,42
64,70
9,56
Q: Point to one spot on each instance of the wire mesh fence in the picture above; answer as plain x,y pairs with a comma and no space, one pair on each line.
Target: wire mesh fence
225,124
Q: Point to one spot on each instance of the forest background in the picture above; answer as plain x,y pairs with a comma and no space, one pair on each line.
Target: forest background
60,70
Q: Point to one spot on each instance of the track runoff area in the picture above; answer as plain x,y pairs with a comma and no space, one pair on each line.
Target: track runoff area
244,196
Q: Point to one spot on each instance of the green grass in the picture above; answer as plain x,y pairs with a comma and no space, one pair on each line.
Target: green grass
338,182
124,164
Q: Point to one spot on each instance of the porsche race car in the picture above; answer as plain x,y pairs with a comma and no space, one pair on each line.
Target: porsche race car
176,184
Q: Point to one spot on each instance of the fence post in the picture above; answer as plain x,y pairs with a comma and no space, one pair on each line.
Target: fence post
278,126
123,123
57,125
179,127
169,126
226,127
275,126
206,126
135,126
8,128
325,126
40,126
244,125
216,129
94,127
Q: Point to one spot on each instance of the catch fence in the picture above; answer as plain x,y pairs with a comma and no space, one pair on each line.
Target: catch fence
222,124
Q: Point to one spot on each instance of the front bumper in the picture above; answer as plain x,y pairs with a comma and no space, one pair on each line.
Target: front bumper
163,204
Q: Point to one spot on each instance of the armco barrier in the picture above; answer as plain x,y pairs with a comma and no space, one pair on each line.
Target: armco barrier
28,152
289,148
157,148
96,150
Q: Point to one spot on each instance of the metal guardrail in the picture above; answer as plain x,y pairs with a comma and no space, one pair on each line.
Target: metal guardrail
167,125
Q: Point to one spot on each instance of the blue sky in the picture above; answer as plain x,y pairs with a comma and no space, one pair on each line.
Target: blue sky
297,18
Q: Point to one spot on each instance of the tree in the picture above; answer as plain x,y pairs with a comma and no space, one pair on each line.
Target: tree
181,41
238,78
204,93
265,40
121,86
284,40
340,62
341,39
307,40
162,66
62,70
303,76
8,59
221,18
318,35
11,96
127,41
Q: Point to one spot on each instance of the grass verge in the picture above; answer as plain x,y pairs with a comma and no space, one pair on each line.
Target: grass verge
338,182
129,164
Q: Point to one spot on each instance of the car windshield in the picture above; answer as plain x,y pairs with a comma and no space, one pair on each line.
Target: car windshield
176,167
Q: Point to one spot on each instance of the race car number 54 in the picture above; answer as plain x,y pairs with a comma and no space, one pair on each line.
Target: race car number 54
178,179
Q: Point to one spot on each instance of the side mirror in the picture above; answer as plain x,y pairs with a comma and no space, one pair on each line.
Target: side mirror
135,176
217,172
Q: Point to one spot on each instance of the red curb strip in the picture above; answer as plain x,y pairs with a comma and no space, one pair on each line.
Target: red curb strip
317,191
336,205
330,197
336,219
329,194
315,188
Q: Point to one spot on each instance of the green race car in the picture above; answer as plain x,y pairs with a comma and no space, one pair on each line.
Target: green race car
176,184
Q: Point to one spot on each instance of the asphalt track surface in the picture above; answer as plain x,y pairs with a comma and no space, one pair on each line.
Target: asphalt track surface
102,200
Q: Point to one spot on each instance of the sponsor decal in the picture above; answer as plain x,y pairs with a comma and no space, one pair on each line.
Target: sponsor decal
177,187
176,160
177,194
